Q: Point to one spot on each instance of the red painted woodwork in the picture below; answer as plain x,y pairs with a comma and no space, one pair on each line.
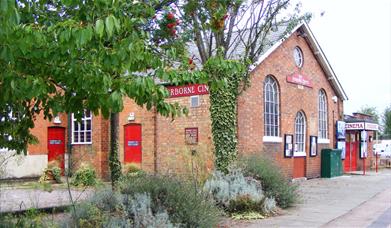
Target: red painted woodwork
188,90
352,147
56,145
132,143
298,167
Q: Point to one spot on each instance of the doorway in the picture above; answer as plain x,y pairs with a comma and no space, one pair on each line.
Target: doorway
132,143
56,145
352,146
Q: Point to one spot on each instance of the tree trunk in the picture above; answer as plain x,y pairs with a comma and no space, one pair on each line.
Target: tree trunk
114,163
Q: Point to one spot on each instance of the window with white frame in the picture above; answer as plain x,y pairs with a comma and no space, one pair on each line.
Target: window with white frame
82,131
300,126
322,119
298,57
271,107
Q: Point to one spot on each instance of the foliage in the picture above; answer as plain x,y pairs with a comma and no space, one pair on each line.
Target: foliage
84,176
387,122
71,56
274,183
223,108
238,194
105,209
372,111
141,212
184,205
228,30
31,218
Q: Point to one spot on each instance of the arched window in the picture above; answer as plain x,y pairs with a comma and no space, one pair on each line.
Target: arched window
322,118
271,107
300,126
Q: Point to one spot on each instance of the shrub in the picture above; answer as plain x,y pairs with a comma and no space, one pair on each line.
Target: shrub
84,176
183,204
274,183
236,193
141,212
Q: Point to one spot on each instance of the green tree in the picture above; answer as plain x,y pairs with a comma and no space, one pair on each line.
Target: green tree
369,110
229,36
386,119
70,56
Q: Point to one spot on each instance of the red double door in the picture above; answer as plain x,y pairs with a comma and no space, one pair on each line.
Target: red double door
132,143
351,147
56,145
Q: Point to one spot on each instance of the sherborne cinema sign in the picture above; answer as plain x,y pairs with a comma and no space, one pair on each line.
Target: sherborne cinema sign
188,90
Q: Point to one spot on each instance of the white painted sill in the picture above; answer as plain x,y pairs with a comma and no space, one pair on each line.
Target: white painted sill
323,141
83,143
299,154
272,139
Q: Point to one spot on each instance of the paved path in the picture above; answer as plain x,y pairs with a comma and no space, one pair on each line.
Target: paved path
22,199
347,201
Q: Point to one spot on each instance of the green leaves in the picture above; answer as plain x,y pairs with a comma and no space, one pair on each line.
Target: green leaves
99,28
112,23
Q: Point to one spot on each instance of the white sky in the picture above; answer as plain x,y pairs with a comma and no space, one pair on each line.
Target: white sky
356,38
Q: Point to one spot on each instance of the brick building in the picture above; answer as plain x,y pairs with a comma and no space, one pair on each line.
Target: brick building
288,113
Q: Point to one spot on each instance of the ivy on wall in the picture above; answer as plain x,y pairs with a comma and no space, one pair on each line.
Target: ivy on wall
225,77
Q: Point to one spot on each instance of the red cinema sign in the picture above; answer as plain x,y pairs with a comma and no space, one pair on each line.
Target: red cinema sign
299,79
188,90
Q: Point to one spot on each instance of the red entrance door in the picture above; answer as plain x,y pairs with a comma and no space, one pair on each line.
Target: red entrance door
350,163
56,145
298,167
132,143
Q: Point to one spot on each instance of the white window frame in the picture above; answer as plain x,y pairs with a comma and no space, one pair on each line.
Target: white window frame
300,135
191,103
83,121
271,110
298,57
322,117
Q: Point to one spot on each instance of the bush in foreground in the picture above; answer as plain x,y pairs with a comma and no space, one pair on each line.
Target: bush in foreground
183,203
238,194
274,183
148,201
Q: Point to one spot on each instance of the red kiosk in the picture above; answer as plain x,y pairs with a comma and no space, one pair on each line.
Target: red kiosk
359,138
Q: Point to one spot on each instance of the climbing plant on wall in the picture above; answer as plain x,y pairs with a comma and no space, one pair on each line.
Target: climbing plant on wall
223,108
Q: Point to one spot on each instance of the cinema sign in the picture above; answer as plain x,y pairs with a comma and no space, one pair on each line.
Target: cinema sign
188,90
362,126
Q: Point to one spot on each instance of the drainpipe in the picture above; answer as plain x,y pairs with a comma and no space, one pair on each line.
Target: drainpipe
155,142
69,144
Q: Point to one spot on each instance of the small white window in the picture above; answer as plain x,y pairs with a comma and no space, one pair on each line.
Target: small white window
300,134
298,56
194,101
82,131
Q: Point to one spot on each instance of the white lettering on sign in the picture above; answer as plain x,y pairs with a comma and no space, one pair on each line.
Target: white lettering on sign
188,90
354,126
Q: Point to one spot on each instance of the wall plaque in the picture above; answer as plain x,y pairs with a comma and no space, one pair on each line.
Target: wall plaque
191,135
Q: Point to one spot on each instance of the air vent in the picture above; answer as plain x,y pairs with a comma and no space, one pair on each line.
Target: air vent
194,101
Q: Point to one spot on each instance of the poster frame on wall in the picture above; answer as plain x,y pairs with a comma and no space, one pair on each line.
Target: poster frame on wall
288,145
340,130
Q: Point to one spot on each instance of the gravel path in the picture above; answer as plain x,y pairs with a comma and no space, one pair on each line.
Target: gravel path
12,200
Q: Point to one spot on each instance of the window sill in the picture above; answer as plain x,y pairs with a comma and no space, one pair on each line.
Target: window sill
299,154
323,141
84,143
272,139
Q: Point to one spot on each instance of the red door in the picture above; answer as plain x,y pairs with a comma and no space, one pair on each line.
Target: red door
132,143
298,167
56,145
350,163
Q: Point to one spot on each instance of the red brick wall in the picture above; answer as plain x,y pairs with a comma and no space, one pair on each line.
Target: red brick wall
293,99
173,154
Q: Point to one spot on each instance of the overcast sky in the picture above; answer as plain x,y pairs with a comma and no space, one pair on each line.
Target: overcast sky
356,38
